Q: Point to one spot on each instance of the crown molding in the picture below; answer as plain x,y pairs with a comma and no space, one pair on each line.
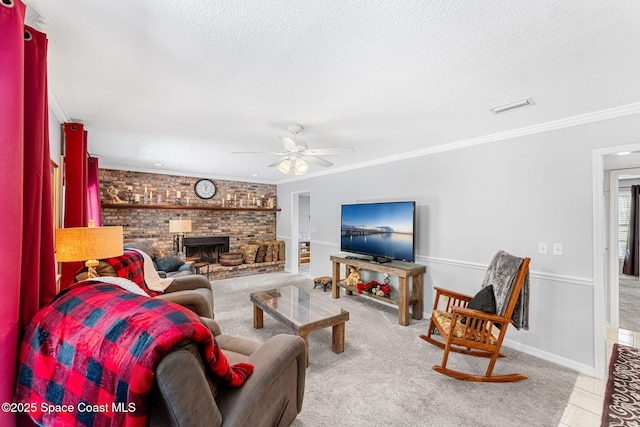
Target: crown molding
55,106
582,119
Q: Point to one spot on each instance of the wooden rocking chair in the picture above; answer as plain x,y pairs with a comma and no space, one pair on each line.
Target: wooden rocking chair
482,333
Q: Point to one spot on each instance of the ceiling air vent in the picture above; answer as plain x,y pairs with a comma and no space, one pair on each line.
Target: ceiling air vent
512,106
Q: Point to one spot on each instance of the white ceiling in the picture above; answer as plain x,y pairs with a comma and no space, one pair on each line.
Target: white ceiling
186,83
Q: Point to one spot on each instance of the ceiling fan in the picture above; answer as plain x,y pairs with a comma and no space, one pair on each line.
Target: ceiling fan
296,153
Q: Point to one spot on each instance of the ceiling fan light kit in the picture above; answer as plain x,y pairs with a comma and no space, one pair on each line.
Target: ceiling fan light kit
284,166
301,166
297,154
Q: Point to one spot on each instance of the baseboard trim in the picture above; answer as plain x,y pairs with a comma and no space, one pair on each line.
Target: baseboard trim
550,357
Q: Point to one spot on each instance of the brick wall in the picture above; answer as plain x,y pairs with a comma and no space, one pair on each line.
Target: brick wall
240,226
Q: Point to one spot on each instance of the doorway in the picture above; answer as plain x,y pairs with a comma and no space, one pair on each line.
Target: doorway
301,232
605,254
624,289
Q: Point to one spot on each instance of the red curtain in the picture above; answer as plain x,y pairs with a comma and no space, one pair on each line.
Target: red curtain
93,192
75,191
26,222
38,267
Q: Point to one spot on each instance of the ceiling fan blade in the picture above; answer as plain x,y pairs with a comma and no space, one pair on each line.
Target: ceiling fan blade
316,160
329,151
289,144
279,153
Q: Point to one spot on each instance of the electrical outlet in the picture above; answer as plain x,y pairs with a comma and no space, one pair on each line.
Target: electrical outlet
542,248
557,249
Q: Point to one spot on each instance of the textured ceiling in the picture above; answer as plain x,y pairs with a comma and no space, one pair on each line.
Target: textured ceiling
186,83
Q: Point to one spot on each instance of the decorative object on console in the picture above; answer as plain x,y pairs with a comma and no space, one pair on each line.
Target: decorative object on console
296,153
354,276
88,244
179,226
375,288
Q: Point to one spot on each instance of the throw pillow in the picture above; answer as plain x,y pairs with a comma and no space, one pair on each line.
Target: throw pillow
485,300
150,247
249,253
169,263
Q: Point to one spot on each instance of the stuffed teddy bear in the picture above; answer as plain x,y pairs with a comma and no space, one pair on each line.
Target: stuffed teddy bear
354,276
113,193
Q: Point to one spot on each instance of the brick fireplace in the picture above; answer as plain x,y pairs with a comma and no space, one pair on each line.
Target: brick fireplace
208,219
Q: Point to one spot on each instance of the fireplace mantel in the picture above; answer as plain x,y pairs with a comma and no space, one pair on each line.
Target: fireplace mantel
187,207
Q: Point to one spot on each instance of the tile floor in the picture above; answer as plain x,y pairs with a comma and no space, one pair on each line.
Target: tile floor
586,401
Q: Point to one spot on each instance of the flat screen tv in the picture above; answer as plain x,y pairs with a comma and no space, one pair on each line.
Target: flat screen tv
384,231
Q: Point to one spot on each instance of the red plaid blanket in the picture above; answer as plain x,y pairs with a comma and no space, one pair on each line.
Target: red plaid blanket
130,265
88,358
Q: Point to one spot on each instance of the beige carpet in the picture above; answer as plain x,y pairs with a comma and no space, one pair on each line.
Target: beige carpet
384,377
629,303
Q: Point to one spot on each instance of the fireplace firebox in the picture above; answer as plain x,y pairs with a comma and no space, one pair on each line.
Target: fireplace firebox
207,249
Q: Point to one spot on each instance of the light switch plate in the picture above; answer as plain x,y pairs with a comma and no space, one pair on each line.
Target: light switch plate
542,248
557,249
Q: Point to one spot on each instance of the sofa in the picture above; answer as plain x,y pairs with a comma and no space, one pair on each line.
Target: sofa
184,394
172,386
167,265
192,291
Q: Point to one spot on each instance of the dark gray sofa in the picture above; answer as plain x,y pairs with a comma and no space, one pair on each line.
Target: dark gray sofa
184,395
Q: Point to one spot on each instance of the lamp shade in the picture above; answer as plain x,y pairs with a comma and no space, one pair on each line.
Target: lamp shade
300,167
180,225
87,243
285,165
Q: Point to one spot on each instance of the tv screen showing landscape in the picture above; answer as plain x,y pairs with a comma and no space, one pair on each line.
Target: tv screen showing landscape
382,230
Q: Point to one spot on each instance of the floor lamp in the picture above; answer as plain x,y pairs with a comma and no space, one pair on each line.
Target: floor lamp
88,244
179,226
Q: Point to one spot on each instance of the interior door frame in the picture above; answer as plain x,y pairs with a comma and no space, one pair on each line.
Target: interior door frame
295,227
601,253
614,262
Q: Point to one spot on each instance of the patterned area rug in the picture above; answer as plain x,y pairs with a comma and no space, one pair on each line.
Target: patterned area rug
622,398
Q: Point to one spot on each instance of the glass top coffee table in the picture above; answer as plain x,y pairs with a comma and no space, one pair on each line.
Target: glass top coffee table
301,312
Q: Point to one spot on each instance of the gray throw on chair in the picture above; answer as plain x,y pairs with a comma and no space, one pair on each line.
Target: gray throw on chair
501,274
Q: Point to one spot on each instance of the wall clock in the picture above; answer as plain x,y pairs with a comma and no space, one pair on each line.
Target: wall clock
204,188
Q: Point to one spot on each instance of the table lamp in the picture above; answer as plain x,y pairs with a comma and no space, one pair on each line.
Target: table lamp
88,244
179,226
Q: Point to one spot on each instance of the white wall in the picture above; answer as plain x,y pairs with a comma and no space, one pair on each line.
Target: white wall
55,135
509,195
304,215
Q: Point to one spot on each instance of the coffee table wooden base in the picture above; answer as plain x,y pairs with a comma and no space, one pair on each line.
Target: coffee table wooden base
331,316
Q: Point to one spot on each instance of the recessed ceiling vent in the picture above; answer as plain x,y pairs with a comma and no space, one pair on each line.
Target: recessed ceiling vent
512,106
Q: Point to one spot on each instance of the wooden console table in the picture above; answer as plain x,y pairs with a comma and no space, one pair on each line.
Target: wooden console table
404,271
